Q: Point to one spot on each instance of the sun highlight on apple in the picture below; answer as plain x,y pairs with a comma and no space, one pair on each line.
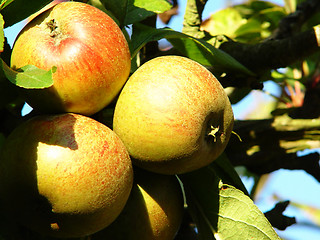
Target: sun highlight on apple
173,116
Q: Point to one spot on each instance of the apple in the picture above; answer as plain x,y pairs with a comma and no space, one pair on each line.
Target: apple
64,175
173,116
89,50
154,210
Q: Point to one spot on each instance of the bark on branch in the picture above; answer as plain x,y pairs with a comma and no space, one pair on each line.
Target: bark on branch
288,45
270,144
292,23
275,53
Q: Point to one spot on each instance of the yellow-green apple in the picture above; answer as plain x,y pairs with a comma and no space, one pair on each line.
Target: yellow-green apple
154,210
64,175
173,116
87,47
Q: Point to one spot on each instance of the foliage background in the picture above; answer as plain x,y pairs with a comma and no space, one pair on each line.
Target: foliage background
276,186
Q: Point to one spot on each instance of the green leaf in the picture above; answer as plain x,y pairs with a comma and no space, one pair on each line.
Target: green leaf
226,172
225,22
29,77
133,11
5,3
249,22
196,49
221,211
118,8
18,10
254,8
290,5
1,34
252,26
141,9
2,140
202,203
8,92
238,215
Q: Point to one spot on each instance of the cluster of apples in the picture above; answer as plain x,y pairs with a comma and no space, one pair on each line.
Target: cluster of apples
64,174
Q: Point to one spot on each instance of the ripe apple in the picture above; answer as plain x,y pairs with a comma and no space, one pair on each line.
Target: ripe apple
173,116
64,175
87,47
154,210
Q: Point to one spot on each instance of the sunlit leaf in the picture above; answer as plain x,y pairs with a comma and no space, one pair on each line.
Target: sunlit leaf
224,22
249,22
29,76
240,217
251,9
132,11
142,9
290,5
221,211
249,32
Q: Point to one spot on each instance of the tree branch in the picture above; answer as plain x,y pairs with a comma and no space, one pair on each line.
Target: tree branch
276,217
271,144
292,23
286,46
275,53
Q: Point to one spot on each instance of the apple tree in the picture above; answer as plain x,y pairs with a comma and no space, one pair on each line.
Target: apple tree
244,46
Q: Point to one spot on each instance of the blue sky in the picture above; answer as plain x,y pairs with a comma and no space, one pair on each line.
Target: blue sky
287,185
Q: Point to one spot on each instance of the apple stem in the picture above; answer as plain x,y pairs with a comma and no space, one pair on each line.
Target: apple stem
52,25
237,135
213,132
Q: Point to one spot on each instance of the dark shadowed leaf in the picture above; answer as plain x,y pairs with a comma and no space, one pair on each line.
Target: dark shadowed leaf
29,76
18,10
201,188
221,211
118,8
226,172
2,139
8,92
5,3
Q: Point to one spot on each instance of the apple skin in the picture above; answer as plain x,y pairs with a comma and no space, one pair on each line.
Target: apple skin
89,50
173,116
154,210
64,175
